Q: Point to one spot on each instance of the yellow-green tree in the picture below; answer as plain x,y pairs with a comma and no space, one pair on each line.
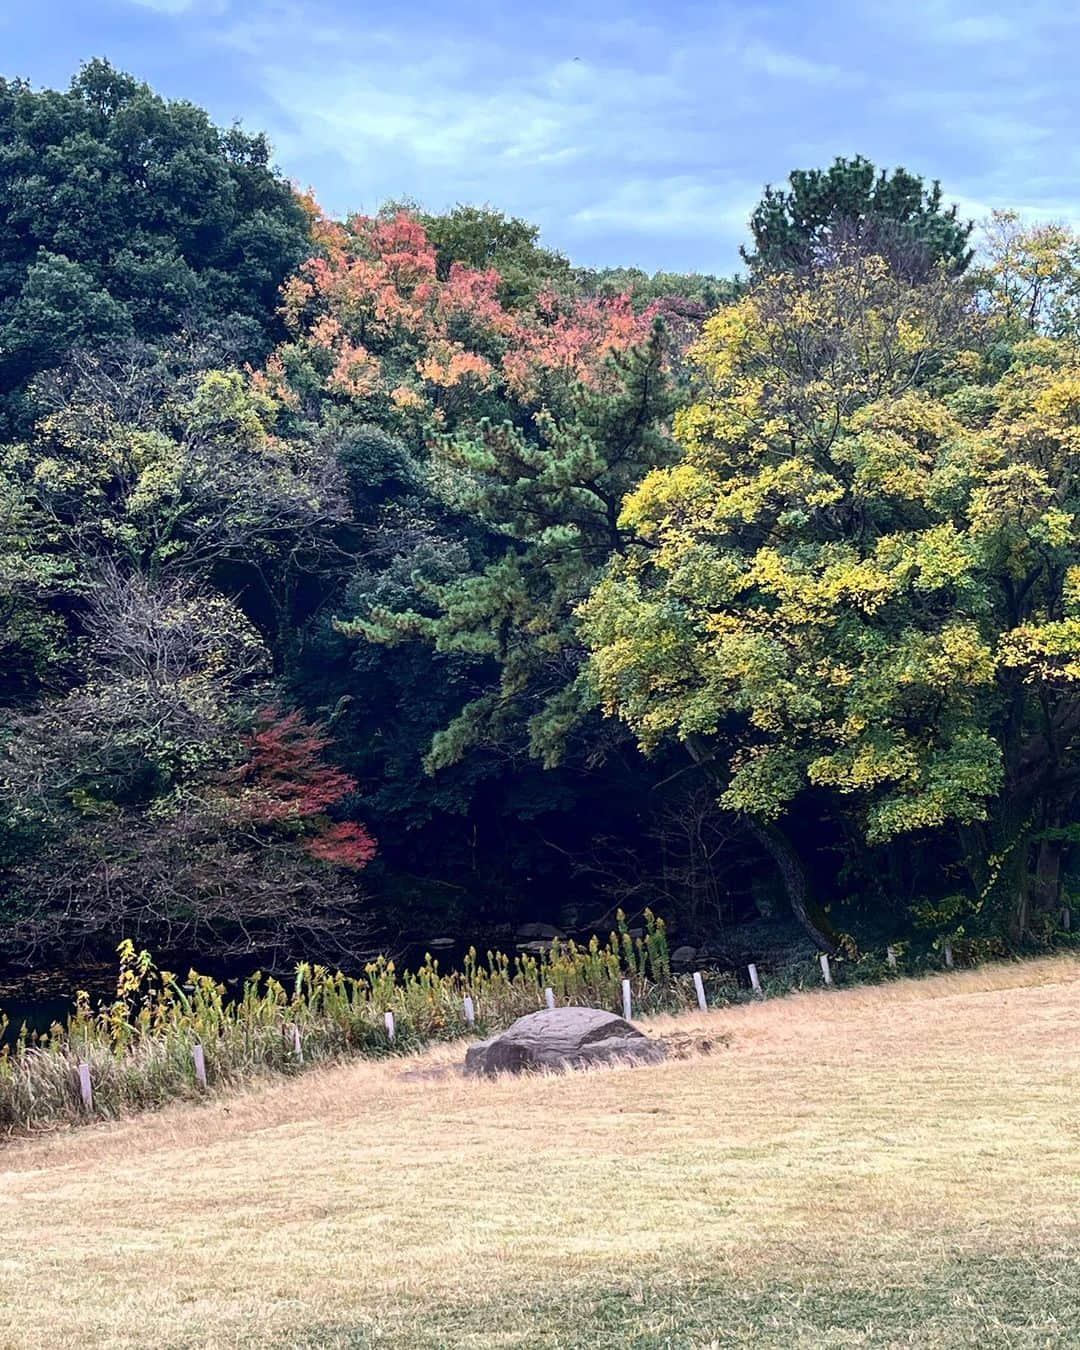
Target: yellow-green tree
862,580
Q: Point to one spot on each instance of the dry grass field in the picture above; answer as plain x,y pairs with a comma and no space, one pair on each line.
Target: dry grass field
892,1166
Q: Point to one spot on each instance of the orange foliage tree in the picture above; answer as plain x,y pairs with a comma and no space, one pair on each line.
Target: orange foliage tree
373,325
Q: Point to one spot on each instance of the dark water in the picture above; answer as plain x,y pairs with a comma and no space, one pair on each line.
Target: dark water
37,1014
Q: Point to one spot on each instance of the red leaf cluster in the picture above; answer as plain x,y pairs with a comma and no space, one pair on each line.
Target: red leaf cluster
289,781
344,844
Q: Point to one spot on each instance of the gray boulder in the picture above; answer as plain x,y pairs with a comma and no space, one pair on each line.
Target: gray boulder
533,948
684,957
533,932
561,1038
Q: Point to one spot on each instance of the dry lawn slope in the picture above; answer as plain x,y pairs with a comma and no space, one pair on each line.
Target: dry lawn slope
897,1166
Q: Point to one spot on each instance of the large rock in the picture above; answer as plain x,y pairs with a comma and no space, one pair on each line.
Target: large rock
561,1038
534,932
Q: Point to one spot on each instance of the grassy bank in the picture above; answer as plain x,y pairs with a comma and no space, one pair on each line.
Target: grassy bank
885,1166
162,1038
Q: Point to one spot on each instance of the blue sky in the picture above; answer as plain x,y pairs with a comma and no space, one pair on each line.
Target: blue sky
637,133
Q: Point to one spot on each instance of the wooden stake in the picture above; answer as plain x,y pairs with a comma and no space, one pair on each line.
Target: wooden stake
470,1011
826,973
389,1020
200,1065
549,997
699,989
86,1089
948,957
755,983
298,1049
1066,917
890,956
626,1000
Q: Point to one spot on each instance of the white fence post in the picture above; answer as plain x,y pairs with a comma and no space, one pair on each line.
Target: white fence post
1066,917
826,973
627,1002
549,997
755,983
470,1011
948,957
699,989
86,1089
890,956
298,1049
389,1020
199,1056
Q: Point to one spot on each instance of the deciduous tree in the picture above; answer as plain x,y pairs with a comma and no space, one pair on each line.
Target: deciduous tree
858,581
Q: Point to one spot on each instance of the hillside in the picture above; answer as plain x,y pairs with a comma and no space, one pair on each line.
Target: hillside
887,1166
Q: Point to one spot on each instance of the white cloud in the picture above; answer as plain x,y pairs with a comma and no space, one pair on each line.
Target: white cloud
1007,30
461,119
179,6
1041,212
764,58
676,205
975,30
616,139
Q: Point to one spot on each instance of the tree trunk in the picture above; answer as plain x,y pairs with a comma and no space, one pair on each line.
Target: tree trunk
810,915
778,846
1046,878
975,851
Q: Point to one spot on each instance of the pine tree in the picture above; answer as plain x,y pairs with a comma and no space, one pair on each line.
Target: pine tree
893,214
549,494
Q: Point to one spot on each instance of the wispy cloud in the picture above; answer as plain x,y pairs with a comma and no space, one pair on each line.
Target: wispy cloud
781,64
180,6
679,206
629,133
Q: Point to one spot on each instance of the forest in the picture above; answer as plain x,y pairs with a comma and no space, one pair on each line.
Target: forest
386,579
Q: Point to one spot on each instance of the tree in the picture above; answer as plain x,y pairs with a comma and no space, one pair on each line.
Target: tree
1030,276
34,584
378,333
550,495
851,202
530,424
122,214
135,804
481,238
158,543
858,583
286,781
163,470
698,291
491,438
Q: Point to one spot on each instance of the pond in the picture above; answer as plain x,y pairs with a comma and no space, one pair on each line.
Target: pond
39,999
42,998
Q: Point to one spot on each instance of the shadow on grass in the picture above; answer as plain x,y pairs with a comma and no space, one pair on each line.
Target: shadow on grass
984,1301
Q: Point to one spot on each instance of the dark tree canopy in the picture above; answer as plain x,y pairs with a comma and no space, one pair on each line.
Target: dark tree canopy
122,213
894,213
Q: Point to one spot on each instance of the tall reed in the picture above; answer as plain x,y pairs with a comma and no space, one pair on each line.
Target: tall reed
140,1045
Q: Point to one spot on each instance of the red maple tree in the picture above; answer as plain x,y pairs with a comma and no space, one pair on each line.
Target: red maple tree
287,781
